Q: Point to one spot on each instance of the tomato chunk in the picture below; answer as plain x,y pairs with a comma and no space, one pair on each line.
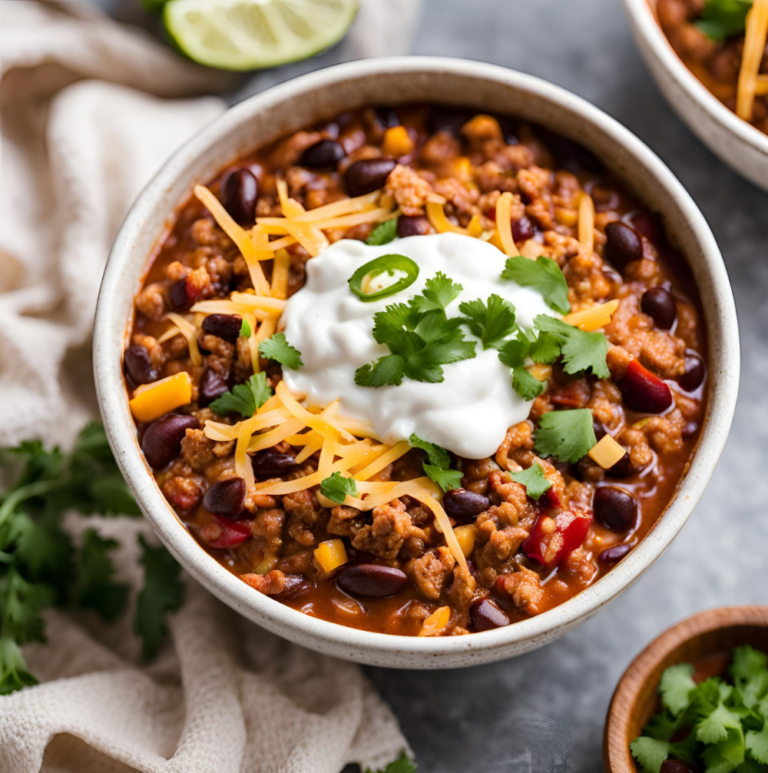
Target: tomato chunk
553,539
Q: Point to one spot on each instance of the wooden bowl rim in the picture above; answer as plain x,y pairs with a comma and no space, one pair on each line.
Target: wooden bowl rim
616,755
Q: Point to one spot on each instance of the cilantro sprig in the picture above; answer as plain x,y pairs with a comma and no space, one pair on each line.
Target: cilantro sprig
244,399
384,233
492,321
420,338
580,350
40,564
543,275
534,481
438,466
277,348
721,19
724,720
336,487
566,435
403,764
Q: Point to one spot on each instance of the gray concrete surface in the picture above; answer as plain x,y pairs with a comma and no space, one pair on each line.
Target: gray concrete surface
544,712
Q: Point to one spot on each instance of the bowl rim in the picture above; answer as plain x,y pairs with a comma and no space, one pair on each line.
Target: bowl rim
648,26
431,652
644,663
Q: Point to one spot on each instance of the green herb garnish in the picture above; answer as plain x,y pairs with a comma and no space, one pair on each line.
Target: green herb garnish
244,399
722,19
492,321
403,764
566,435
245,329
438,468
724,722
384,233
278,349
543,275
533,479
580,350
386,264
337,487
513,354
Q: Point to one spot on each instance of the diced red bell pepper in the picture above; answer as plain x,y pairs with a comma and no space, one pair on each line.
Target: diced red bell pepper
552,540
550,499
225,533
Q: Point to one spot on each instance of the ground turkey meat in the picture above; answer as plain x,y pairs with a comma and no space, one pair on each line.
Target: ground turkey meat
385,536
432,571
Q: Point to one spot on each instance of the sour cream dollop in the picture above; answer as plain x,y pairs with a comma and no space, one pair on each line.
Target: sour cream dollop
470,411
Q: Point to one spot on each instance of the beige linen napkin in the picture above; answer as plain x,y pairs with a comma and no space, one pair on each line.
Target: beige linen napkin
86,119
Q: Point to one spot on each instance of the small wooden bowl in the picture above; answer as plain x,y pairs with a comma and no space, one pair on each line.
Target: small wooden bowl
712,633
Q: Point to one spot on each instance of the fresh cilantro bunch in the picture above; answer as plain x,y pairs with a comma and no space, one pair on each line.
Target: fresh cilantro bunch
420,337
40,565
726,721
438,466
721,19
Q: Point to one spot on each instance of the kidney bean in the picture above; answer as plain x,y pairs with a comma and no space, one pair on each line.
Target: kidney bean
138,365
295,586
674,766
386,116
270,463
161,441
611,556
693,377
622,245
212,385
226,326
178,297
614,508
464,505
648,225
412,226
485,615
371,580
368,175
226,497
643,391
239,191
659,304
323,154
522,230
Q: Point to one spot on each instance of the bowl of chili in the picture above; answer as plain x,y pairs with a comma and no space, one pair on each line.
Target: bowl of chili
564,564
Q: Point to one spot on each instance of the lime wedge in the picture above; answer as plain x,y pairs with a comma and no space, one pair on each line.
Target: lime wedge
254,34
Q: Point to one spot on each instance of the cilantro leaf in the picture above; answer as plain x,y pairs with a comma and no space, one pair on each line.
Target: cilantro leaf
581,350
676,686
543,275
714,728
13,670
96,589
384,233
533,479
244,399
386,371
337,487
438,468
22,604
757,743
403,764
566,435
747,662
491,322
162,593
721,19
515,351
439,293
245,329
526,385
278,349
650,753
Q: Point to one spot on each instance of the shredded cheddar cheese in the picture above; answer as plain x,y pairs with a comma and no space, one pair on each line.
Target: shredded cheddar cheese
754,48
504,225
587,223
593,318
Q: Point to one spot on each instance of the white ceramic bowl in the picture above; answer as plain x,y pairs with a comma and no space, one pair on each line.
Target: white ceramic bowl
739,144
322,95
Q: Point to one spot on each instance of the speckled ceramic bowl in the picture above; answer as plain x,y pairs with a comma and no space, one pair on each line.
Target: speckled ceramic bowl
739,144
322,95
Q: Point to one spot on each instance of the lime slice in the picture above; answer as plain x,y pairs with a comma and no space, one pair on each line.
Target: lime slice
254,34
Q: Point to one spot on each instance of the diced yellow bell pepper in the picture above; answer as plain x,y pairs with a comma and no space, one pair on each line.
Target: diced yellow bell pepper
606,452
436,622
465,536
397,142
155,400
331,554
540,372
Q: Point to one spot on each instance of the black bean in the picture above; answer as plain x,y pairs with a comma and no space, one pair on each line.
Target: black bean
386,116
649,225
295,586
622,469
270,463
615,508
412,226
694,374
226,326
674,766
138,365
522,230
368,175
486,615
178,297
161,441
659,304
611,556
239,191
464,505
322,155
212,385
372,580
599,430
226,497
622,245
